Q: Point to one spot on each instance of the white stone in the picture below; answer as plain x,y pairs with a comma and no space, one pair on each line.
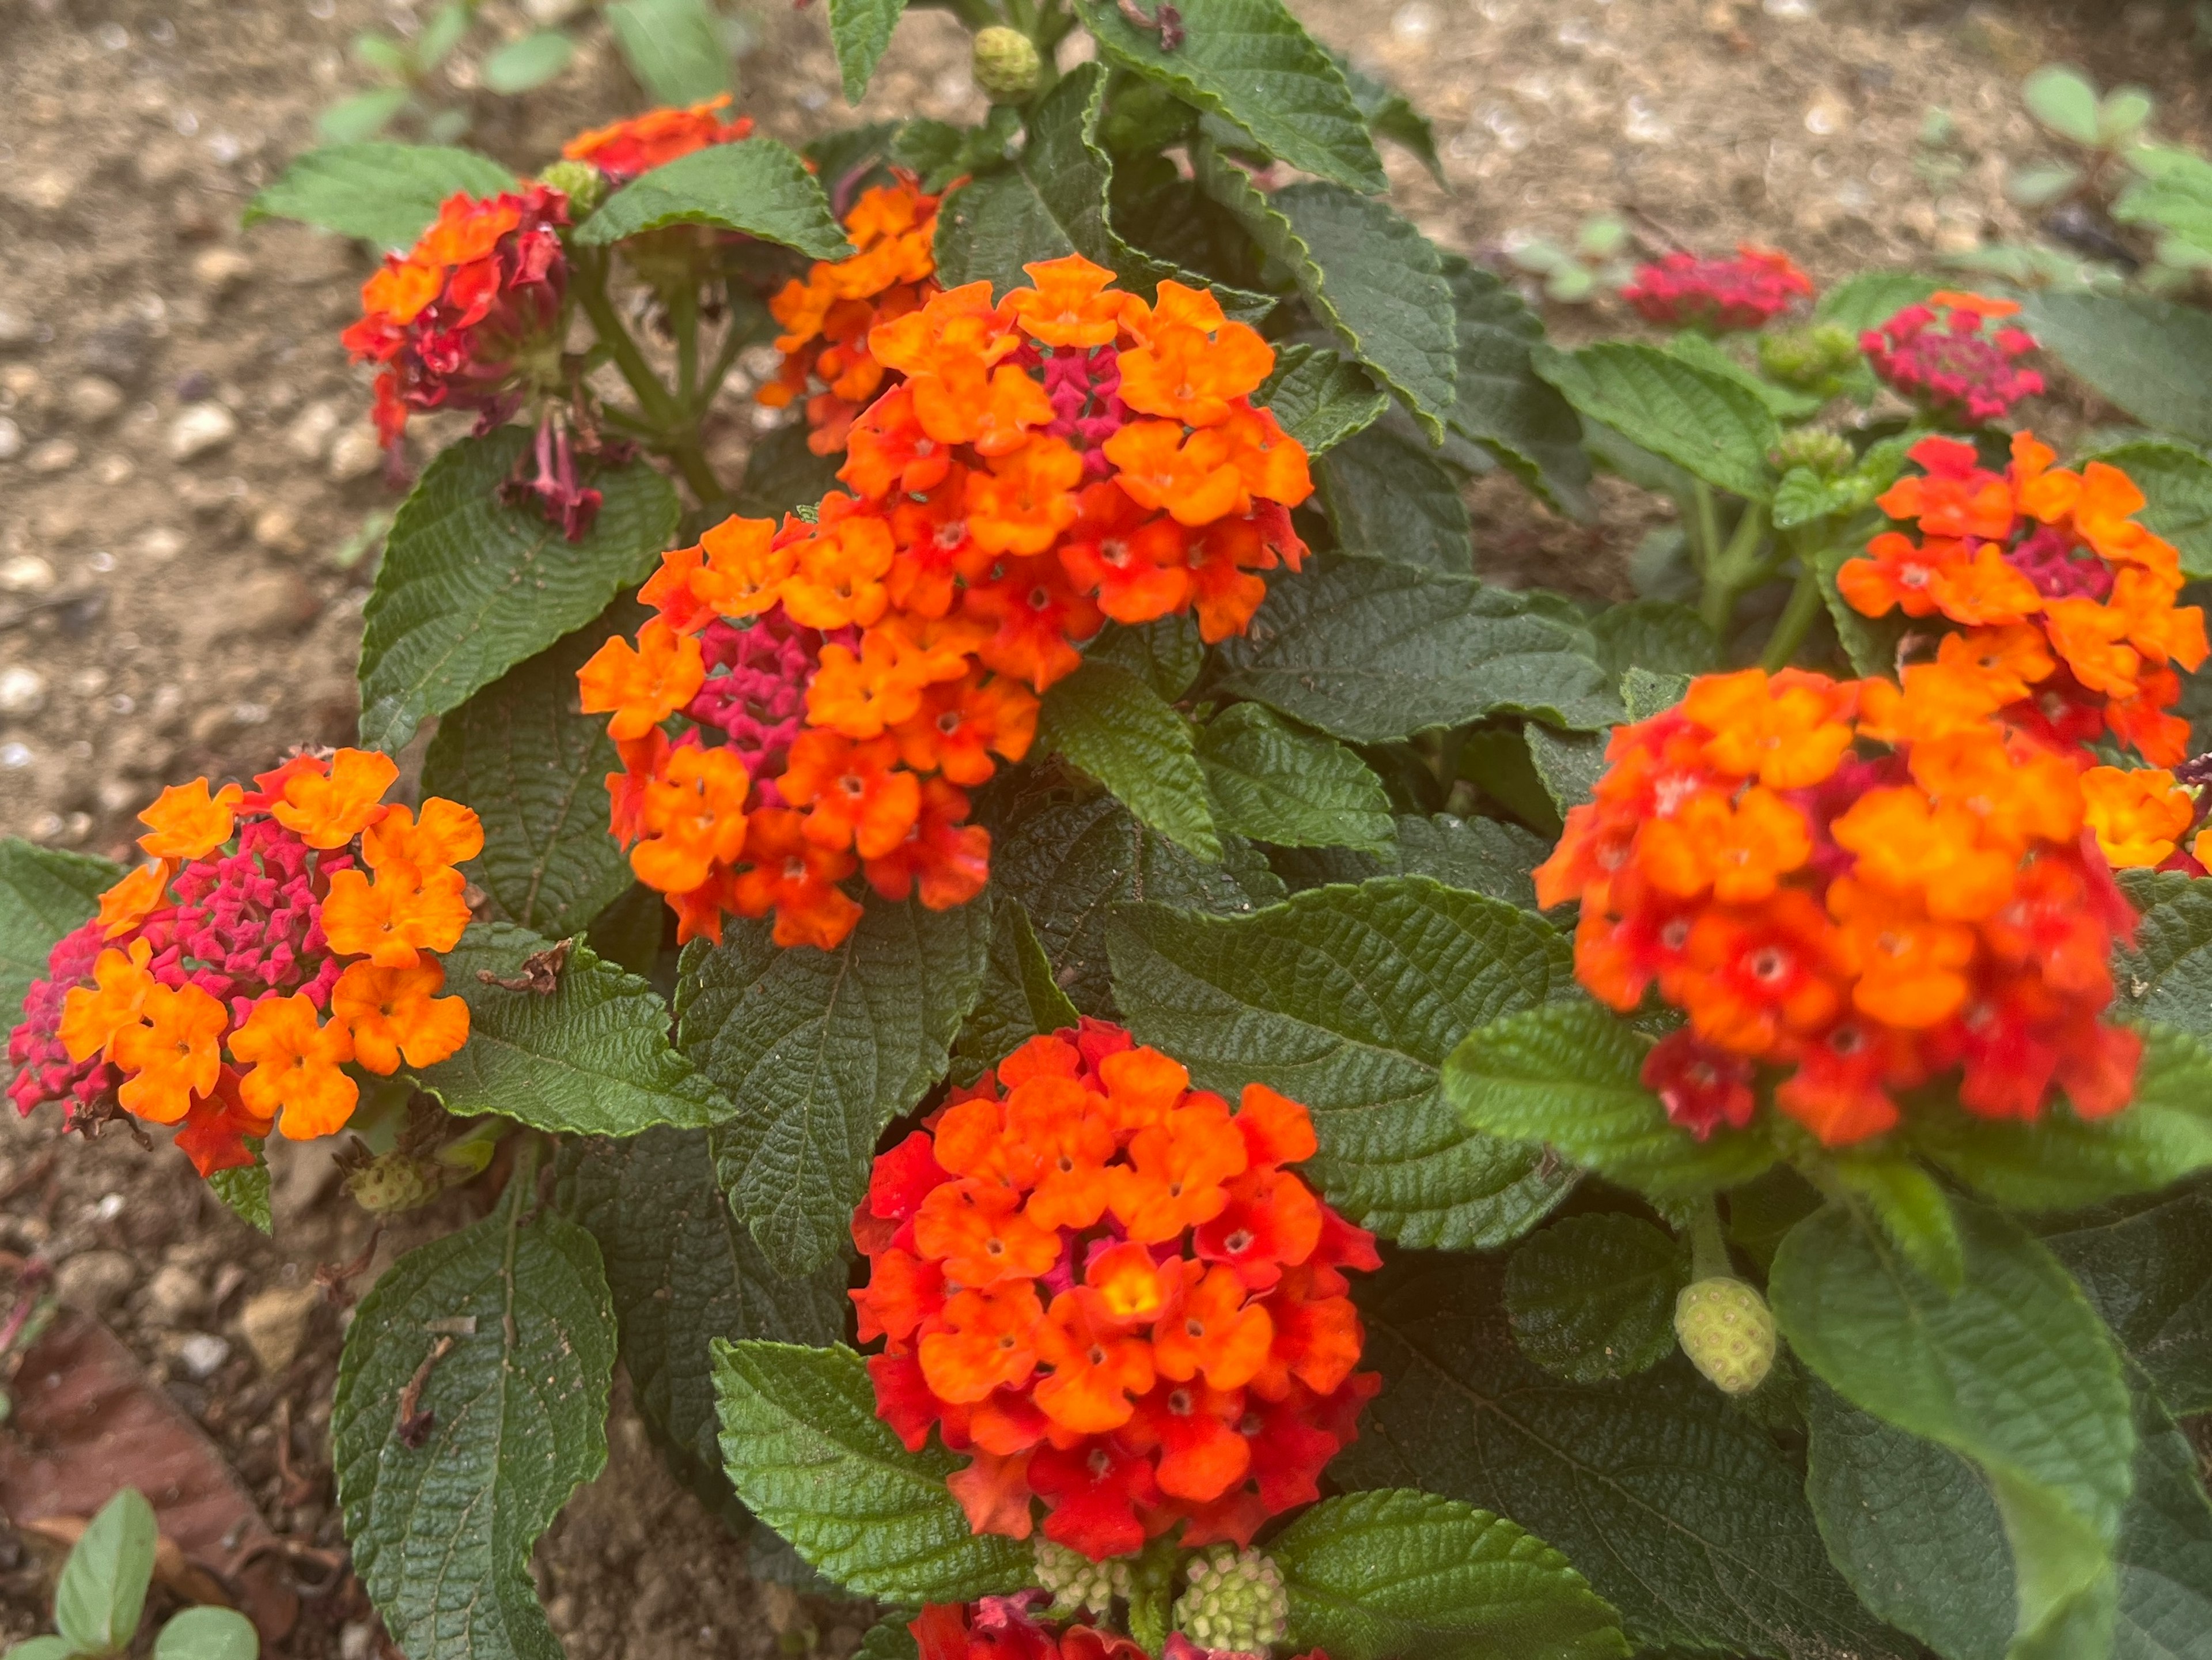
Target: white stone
202,1354
93,400
95,1281
17,328
174,1295
274,1323
55,455
356,454
22,691
201,430
220,270
11,439
26,573
310,435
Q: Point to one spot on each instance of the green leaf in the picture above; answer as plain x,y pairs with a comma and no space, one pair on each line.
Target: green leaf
1391,114
1567,1075
1569,763
469,585
208,1633
683,1269
2015,1373
1654,634
940,152
674,48
806,1452
859,32
1108,722
1678,1509
357,119
1372,651
244,1189
1166,654
1020,997
1500,403
755,185
1389,497
103,1585
1251,63
1701,351
2061,1162
1593,1296
1275,783
386,194
2145,1264
2177,486
1319,398
1348,999
516,1411
2152,358
817,1051
890,1639
1369,275
1053,201
1373,1575
783,473
1070,864
45,893
1910,1207
2164,1549
1804,496
40,1648
534,768
529,62
1702,421
2063,100
2168,976
592,1058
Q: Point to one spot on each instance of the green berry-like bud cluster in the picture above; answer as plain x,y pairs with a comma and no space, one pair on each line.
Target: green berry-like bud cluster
1236,1602
1007,64
580,181
1810,358
1079,1586
393,1182
1728,1331
1826,453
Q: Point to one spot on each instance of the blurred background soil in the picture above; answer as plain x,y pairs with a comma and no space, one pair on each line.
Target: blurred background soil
187,482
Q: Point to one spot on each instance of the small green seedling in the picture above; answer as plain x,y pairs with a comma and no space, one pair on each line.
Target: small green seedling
103,1592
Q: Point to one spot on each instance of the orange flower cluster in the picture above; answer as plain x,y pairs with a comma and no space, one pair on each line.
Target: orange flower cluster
1855,886
2066,603
227,982
1112,1292
1065,456
827,317
622,151
2141,817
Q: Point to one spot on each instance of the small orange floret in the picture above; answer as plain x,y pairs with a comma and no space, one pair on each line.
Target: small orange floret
641,686
292,1067
188,821
389,1012
328,809
2138,817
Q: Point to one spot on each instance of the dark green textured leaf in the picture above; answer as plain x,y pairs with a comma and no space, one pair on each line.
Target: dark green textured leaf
781,473
1699,420
683,1270
1872,298
1483,855
516,1412
1500,402
2167,977
522,753
102,1590
756,185
2164,1549
1348,999
45,893
1166,654
1391,114
469,586
806,1452
940,152
1251,63
859,32
592,1059
1569,763
386,194
1374,1576
1703,352
1654,634
2145,1264
1319,398
244,1189
1677,1510
1020,997
1389,497
674,48
2014,1373
1070,864
2177,487
817,1051
1897,1194
1593,1296
1274,783
888,1639
1567,1075
1372,651
1116,728
2151,357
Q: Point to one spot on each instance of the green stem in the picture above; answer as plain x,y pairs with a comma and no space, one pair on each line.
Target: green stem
1797,619
691,461
683,322
651,397
1737,567
1708,1256
521,1189
1707,522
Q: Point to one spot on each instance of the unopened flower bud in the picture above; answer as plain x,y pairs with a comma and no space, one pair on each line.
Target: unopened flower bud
580,181
1826,453
395,1182
1236,1603
1728,1331
1809,358
1079,1586
1007,64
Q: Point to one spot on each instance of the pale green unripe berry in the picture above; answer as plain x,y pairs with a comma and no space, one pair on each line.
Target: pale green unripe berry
1079,1586
1810,357
1728,1331
580,181
395,1182
1236,1601
1827,453
1007,64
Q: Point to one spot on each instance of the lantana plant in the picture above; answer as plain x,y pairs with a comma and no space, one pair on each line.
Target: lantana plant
1138,1064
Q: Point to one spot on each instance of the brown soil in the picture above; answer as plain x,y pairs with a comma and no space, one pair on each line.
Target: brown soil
161,614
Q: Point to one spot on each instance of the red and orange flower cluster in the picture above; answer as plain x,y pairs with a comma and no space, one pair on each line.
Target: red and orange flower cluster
1011,1628
1941,354
226,983
2066,605
626,148
828,316
1855,887
1112,1292
1720,296
1067,455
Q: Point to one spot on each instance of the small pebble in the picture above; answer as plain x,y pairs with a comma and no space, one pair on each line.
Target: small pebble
95,1281
195,387
11,439
220,270
201,430
356,453
310,435
22,691
26,573
17,328
55,455
202,1354
91,399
